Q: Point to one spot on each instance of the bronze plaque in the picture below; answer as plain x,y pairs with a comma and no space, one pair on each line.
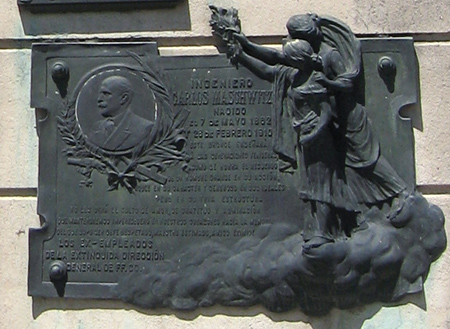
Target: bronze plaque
188,160
161,183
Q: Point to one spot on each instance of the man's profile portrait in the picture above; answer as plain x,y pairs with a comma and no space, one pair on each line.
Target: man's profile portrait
120,128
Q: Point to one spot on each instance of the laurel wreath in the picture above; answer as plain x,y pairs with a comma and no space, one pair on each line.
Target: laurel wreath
225,23
144,162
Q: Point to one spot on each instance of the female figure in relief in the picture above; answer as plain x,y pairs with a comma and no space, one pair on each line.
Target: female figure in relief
341,169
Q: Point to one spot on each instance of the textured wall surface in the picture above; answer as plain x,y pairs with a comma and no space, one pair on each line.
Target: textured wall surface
184,29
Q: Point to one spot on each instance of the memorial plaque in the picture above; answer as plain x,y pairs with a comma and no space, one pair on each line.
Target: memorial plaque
193,162
165,182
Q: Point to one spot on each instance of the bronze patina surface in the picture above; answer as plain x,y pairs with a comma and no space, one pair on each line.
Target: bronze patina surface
185,182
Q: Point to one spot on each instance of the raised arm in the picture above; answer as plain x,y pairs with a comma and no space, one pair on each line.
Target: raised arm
267,55
261,69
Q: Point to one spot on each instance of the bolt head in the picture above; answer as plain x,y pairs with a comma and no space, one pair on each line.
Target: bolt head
58,271
60,71
386,66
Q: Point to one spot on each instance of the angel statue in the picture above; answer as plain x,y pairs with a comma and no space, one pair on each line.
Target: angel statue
321,131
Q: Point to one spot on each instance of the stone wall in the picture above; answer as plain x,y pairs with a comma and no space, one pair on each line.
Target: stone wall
183,30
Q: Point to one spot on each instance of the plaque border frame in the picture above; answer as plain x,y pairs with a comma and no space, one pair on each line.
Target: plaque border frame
93,5
46,195
47,180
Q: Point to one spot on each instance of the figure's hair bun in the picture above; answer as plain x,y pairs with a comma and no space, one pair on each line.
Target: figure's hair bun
305,26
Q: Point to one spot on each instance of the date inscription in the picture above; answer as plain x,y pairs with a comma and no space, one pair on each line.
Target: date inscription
231,185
